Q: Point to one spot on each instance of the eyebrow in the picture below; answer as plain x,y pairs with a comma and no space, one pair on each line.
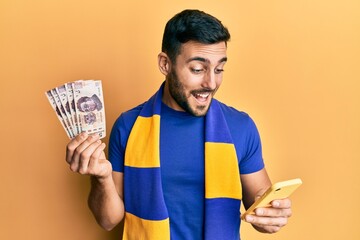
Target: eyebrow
201,59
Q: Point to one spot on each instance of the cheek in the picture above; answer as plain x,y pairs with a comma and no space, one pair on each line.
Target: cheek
188,80
219,81
193,80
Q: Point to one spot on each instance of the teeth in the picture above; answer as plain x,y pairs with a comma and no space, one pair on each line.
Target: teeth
203,95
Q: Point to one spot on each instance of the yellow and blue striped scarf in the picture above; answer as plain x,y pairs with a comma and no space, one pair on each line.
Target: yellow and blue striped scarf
146,215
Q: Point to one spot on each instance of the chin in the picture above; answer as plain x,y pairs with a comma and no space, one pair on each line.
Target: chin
199,111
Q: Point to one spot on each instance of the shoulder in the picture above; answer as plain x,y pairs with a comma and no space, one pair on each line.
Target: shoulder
235,116
127,119
121,129
132,113
240,124
246,139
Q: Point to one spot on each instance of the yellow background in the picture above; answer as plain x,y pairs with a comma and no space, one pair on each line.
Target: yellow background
294,66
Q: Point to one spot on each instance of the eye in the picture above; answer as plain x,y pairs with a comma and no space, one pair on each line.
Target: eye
219,70
197,70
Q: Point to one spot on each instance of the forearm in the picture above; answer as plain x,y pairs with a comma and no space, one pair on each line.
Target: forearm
269,219
254,185
105,202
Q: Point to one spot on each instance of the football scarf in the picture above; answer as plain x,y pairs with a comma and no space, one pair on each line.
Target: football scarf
146,215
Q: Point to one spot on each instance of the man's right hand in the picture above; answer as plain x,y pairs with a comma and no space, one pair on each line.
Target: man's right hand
85,155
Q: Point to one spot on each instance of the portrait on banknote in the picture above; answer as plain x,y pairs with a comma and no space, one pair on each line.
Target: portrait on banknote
89,104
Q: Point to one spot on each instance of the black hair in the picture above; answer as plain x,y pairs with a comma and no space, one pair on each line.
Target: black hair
192,25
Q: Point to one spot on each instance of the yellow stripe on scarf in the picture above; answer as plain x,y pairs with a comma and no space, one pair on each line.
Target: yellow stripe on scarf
222,178
143,145
135,226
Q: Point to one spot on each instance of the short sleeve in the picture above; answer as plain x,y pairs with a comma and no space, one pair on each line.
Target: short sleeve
116,147
252,159
119,136
246,139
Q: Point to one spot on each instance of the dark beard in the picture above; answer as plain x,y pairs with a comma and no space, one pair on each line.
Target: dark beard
177,92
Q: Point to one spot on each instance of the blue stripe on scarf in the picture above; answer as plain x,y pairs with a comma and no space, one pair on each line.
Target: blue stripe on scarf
222,219
150,108
219,131
146,189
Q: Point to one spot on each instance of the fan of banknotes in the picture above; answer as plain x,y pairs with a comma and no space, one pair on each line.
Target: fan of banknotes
79,107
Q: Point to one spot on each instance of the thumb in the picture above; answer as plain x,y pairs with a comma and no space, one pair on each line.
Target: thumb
102,155
259,194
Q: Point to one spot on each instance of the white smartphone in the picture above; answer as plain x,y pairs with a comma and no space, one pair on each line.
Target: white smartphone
278,190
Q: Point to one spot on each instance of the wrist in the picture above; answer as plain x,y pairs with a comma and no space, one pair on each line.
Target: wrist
101,180
103,174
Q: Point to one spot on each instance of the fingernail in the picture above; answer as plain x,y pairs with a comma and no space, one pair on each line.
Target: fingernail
276,204
259,212
94,136
249,218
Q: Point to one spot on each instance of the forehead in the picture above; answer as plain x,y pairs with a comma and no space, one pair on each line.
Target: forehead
211,52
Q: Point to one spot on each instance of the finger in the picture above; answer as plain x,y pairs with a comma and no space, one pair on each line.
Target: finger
269,229
273,212
281,203
77,154
73,144
267,221
260,193
74,162
86,155
102,155
93,167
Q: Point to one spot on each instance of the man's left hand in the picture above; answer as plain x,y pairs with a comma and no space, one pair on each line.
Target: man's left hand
271,219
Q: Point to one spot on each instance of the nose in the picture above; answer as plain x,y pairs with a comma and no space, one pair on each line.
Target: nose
209,80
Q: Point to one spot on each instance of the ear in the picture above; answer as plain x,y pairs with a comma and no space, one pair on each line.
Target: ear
164,63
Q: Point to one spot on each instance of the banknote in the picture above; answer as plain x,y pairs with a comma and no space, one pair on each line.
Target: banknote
71,101
62,93
62,111
57,111
89,106
79,106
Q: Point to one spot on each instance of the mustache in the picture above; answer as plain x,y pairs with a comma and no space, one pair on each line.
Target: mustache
203,90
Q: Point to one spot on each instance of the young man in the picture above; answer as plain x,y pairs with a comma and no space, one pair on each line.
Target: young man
182,162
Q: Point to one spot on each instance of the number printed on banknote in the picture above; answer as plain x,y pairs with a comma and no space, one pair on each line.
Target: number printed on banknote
80,107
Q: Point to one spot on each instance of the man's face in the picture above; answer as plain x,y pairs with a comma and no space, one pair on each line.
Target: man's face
88,105
195,77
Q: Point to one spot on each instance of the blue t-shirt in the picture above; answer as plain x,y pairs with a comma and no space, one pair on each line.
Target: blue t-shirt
182,160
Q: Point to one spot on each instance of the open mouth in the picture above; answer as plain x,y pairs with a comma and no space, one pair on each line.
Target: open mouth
201,97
